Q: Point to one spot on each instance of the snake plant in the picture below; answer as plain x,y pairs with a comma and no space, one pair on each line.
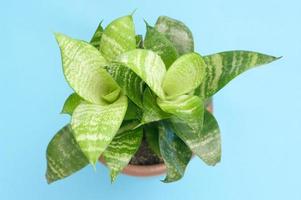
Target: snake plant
125,84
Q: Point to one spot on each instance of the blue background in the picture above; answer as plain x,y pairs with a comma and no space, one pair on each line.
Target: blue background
259,112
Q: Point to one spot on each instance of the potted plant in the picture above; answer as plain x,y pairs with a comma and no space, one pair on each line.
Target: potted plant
141,105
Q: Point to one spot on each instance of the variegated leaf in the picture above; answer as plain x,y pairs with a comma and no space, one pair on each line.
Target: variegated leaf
133,112
118,37
187,121
184,75
177,32
148,66
139,42
151,133
222,67
121,150
151,111
95,41
175,153
96,125
157,42
71,103
82,64
64,156
130,83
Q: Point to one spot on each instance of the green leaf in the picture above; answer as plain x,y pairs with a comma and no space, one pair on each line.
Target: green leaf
222,67
148,66
118,37
82,65
95,41
187,121
71,103
95,126
130,83
139,42
133,112
177,32
175,153
151,133
64,156
157,42
184,75
151,111
121,150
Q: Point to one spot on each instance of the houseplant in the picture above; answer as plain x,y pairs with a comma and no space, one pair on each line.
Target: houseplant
146,93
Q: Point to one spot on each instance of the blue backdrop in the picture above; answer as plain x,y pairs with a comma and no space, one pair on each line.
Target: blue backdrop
259,112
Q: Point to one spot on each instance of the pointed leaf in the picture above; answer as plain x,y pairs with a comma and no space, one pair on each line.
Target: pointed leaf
157,42
222,67
64,156
121,150
175,153
96,125
184,75
151,111
118,37
95,41
82,64
148,66
130,83
71,103
177,32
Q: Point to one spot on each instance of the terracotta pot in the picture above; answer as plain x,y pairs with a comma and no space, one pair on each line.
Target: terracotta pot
148,170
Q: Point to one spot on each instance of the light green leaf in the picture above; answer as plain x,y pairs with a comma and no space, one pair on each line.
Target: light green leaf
118,37
151,133
187,121
222,67
130,83
95,41
95,126
110,98
184,75
82,64
157,42
175,153
121,150
177,32
71,103
148,66
139,42
64,156
151,111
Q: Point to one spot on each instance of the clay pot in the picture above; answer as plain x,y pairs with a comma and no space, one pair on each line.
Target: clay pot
148,170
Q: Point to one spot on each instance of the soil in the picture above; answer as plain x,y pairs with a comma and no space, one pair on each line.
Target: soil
145,156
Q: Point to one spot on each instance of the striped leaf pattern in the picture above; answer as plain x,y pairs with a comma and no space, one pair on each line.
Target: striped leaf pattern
118,37
151,133
148,66
95,41
95,126
184,75
71,103
133,112
177,32
130,83
151,111
187,119
175,153
121,149
64,156
82,65
157,42
222,67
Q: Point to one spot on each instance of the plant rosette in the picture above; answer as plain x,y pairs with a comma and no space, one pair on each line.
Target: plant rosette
133,93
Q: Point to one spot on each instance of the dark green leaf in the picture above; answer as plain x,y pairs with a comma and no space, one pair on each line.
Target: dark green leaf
223,67
151,133
64,156
177,32
175,153
95,41
133,112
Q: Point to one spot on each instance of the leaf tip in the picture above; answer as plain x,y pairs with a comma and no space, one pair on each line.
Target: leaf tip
134,11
